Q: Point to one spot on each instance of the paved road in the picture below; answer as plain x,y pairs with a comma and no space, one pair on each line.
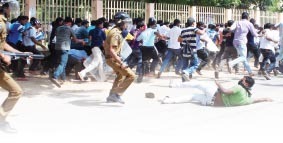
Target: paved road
77,112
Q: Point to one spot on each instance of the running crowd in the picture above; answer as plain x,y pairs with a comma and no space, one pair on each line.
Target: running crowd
121,44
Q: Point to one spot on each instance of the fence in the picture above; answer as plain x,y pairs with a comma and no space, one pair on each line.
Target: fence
134,9
48,10
169,12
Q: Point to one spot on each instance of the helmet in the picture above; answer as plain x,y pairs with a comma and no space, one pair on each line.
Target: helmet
13,6
120,17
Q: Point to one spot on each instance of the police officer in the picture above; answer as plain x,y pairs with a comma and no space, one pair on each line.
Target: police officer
6,82
113,44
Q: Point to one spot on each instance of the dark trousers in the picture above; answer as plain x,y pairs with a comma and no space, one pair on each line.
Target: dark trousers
135,59
252,48
267,55
50,61
149,53
203,55
75,64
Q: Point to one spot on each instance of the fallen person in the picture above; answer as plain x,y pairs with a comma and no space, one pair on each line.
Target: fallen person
217,95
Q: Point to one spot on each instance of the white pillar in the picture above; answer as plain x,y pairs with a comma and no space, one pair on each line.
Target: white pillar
257,16
96,9
30,8
228,15
149,11
194,12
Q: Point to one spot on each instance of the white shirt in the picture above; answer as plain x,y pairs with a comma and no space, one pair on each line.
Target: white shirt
27,38
163,30
266,44
200,43
173,35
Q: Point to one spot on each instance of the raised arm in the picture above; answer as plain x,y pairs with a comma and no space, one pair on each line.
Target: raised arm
222,89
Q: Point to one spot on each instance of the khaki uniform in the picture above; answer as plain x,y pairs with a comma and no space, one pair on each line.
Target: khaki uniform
124,76
6,82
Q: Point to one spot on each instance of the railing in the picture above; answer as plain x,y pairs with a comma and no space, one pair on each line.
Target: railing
268,17
133,8
49,10
210,14
237,14
170,12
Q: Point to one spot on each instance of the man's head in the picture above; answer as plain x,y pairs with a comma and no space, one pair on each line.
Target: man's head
68,21
247,81
85,23
230,23
200,25
245,15
8,7
176,22
35,23
190,22
252,20
123,21
78,21
23,19
151,22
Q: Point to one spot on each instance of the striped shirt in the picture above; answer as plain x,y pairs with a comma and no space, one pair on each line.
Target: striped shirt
189,35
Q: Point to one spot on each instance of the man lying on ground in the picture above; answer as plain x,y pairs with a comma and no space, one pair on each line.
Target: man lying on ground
217,95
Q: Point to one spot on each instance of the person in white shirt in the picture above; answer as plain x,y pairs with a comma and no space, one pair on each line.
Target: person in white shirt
161,43
201,52
174,48
29,42
148,49
267,49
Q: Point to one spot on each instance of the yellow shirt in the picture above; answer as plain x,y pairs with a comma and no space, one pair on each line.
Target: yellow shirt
3,31
114,39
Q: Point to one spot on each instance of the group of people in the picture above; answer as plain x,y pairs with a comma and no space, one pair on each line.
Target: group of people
96,48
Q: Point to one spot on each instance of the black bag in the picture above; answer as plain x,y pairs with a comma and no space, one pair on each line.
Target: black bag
187,51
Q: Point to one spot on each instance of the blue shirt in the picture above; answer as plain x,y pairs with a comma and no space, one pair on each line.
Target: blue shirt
15,33
78,54
90,28
81,33
147,37
97,37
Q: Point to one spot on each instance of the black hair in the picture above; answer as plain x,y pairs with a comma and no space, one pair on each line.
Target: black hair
245,15
78,20
3,7
267,26
92,23
250,81
68,19
252,21
160,22
140,24
151,22
199,24
230,23
106,24
176,22
98,22
103,19
58,20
